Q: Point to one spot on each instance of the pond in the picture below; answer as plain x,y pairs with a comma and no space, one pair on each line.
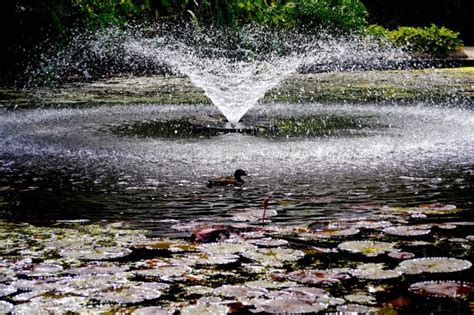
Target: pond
117,197
358,199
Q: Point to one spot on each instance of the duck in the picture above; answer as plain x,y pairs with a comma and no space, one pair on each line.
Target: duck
235,180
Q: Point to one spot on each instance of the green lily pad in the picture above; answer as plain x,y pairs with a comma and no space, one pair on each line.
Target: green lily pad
433,265
367,248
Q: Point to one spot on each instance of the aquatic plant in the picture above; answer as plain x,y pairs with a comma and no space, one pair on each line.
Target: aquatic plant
367,248
433,265
451,289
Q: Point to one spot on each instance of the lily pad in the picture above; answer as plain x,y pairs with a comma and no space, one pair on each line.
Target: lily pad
451,289
288,306
433,265
210,309
5,307
239,291
360,299
132,293
314,276
404,230
367,248
97,268
165,271
274,256
152,310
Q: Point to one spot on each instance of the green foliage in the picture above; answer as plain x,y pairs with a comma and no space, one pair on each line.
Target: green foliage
102,13
343,15
433,40
377,31
338,14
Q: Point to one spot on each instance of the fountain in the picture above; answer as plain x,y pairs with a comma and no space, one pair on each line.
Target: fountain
235,69
103,198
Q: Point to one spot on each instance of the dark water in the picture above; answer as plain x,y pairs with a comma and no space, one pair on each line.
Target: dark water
69,164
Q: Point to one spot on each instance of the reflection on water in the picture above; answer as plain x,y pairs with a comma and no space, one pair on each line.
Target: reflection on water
69,164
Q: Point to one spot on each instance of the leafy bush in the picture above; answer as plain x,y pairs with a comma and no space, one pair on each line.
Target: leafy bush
337,14
343,15
100,13
432,40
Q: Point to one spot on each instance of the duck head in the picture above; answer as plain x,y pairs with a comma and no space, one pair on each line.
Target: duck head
238,175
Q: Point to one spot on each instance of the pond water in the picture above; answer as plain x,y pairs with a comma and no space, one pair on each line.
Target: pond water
106,209
99,163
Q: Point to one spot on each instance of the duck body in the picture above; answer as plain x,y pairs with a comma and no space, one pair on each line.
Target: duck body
235,180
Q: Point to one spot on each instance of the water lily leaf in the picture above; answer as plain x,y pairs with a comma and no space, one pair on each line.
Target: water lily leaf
39,270
96,253
6,289
426,209
5,307
97,268
132,293
433,265
211,309
288,306
175,246
404,230
240,291
367,248
269,242
165,271
51,304
270,284
357,309
225,248
210,259
451,289
401,255
153,310
375,274
274,256
360,299
328,233
314,276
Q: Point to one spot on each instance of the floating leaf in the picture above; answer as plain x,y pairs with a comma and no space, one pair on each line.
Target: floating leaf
97,268
274,256
426,209
317,276
165,271
360,298
153,310
210,309
336,233
357,309
404,230
174,246
267,284
5,307
401,255
132,293
433,265
367,248
240,291
225,248
452,289
6,289
288,306
269,242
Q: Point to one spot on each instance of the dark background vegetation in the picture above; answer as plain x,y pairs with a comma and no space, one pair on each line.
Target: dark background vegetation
28,23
